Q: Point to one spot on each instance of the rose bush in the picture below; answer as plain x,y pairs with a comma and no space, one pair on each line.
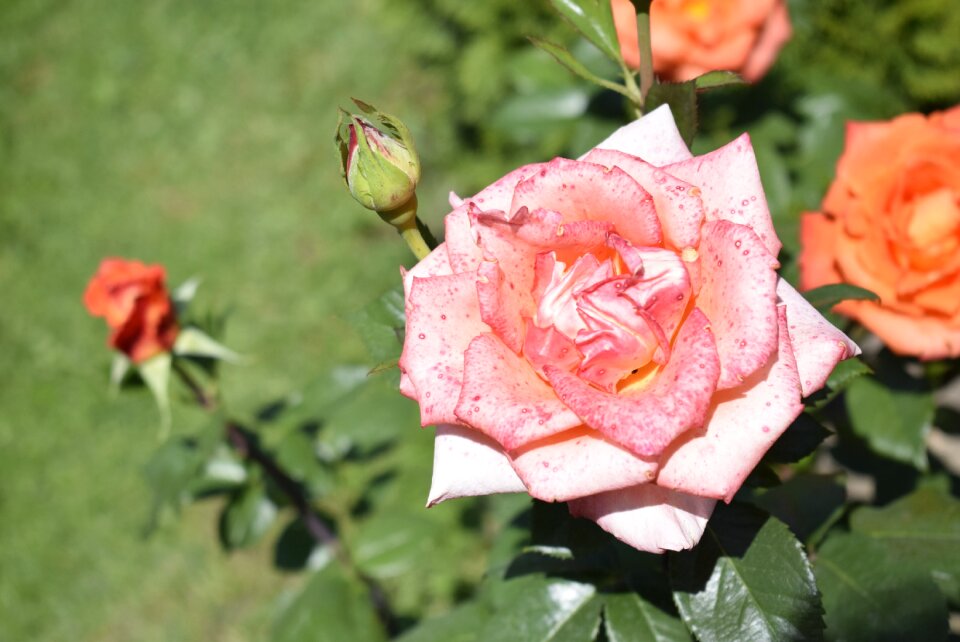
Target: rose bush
611,332
890,223
691,37
133,299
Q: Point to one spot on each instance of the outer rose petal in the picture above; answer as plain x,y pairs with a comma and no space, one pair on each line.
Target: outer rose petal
500,308
499,195
654,138
713,462
648,517
818,234
775,34
460,241
926,337
818,346
586,191
738,295
466,464
677,400
504,398
578,463
678,206
731,190
442,318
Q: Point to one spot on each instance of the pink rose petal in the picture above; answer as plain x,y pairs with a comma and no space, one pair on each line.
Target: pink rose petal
504,398
818,345
442,318
501,307
738,295
730,187
678,203
654,138
578,463
467,464
586,191
714,461
648,517
677,400
460,241
543,346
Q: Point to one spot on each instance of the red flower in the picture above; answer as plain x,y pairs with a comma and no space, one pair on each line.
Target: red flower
133,299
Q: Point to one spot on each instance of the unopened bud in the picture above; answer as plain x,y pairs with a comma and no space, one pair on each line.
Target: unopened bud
378,161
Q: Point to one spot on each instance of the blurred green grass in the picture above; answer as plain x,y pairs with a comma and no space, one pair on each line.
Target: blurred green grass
197,135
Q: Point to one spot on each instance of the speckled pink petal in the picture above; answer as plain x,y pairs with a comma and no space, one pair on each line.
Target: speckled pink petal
714,461
467,464
648,517
435,264
654,138
502,307
543,346
820,346
504,398
442,318
461,241
677,202
663,290
677,400
738,295
515,244
556,286
498,195
578,463
730,187
586,191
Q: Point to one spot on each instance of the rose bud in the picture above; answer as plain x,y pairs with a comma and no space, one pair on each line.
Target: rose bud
134,300
378,160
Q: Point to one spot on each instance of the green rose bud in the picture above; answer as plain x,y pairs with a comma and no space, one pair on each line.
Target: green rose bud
378,161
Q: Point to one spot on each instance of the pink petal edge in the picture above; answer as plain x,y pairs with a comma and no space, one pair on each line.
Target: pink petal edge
467,464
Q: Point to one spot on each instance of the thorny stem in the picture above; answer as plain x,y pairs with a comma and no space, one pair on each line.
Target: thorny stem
246,444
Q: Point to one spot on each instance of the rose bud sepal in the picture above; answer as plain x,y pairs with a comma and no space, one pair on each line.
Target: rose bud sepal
378,160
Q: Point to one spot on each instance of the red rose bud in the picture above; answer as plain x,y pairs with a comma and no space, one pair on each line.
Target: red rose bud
378,160
133,299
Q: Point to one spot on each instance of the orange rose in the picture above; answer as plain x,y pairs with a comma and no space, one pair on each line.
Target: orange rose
891,224
133,299
692,37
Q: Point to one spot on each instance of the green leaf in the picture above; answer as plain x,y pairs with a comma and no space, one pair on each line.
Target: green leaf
748,579
805,502
463,624
193,342
845,372
381,325
921,530
894,422
714,79
870,595
155,372
390,544
827,296
565,58
628,617
331,607
296,454
170,473
246,517
534,608
799,440
594,19
296,549
682,98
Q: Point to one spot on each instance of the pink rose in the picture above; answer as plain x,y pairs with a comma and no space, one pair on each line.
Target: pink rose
611,332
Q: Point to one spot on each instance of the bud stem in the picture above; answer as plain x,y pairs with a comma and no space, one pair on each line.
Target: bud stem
404,218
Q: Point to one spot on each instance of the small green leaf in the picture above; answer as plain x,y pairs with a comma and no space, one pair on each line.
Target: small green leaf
246,517
845,372
566,59
628,617
392,543
381,325
869,595
170,473
714,79
594,19
155,372
193,342
534,608
331,607
748,579
827,296
921,530
799,440
682,98
894,422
